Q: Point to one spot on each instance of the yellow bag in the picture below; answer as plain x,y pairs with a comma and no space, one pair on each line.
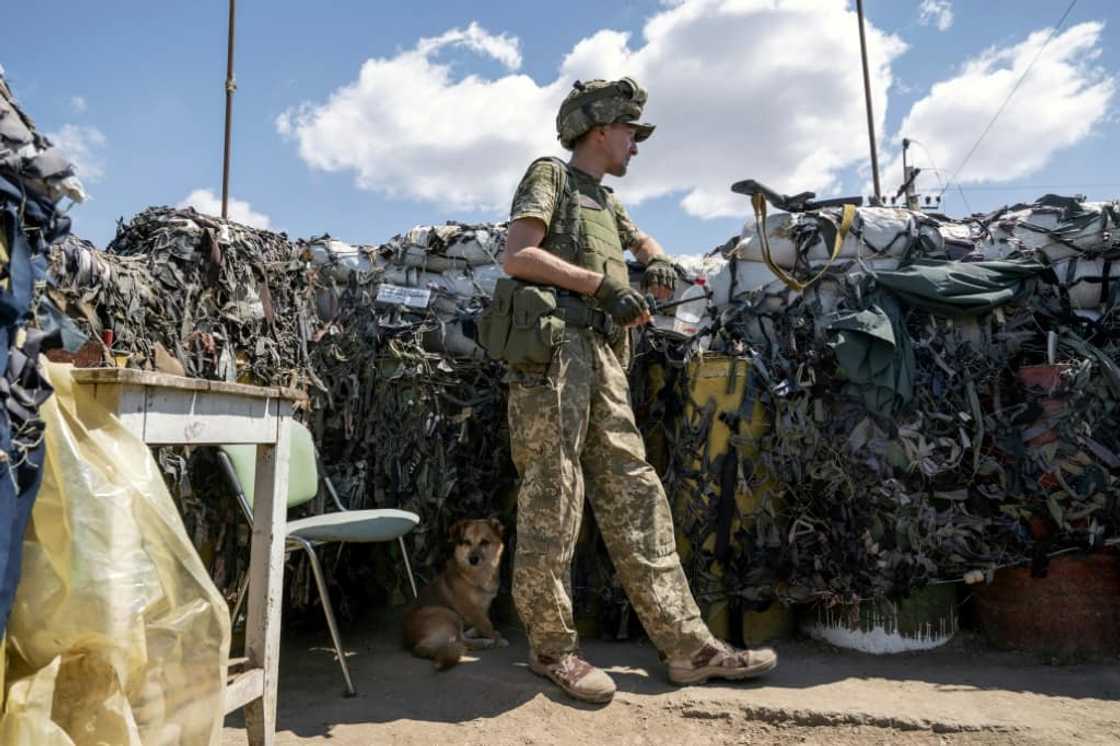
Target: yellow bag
115,618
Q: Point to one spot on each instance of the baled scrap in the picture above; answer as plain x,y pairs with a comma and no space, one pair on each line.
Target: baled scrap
402,403
28,158
974,470
873,500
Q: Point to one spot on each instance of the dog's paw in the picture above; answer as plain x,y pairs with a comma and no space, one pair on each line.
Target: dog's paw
480,643
499,641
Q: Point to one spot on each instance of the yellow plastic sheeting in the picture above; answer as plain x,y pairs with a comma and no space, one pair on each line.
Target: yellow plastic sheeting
117,634
27,714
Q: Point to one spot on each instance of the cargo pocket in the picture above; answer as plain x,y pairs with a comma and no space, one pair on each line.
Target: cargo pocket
650,532
663,538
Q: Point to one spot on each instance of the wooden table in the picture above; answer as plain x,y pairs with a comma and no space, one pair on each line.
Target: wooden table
163,409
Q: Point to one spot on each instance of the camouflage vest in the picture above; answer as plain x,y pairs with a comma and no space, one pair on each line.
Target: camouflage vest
583,232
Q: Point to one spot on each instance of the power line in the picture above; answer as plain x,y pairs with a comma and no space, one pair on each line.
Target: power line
1019,82
1039,186
935,169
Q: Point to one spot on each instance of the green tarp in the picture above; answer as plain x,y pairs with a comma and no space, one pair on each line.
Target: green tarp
874,353
872,346
962,288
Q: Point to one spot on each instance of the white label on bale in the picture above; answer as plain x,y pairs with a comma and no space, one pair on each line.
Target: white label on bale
402,296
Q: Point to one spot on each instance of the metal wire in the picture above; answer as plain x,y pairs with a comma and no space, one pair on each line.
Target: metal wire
1014,88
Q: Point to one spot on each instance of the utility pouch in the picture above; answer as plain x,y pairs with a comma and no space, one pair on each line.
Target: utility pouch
521,326
495,321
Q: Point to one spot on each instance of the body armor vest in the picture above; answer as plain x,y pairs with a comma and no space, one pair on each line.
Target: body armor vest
583,232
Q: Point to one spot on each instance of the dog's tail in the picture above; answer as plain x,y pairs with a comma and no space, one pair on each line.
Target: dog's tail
448,654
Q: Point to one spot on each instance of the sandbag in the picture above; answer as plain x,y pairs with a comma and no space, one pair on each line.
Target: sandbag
876,232
1090,283
339,260
1059,227
462,283
750,276
439,248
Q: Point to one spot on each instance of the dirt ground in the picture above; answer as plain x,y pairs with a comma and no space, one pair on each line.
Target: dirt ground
963,693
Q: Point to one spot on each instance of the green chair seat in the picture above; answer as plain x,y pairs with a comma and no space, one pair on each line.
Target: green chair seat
384,524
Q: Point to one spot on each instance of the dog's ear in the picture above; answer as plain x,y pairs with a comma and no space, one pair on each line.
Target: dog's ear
499,529
456,531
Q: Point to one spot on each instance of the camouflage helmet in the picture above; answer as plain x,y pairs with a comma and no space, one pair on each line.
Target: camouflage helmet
600,102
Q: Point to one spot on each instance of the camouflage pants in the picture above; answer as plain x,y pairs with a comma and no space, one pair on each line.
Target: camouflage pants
574,430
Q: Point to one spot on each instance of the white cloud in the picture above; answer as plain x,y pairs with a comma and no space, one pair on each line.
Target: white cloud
736,91
505,49
84,147
937,12
78,104
240,211
1060,102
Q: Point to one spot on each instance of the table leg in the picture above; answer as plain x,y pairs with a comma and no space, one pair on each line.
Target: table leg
266,576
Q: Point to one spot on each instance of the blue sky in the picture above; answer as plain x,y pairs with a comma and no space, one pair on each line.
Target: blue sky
346,122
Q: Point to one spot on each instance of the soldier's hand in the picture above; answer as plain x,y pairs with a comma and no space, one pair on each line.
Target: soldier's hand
624,304
660,277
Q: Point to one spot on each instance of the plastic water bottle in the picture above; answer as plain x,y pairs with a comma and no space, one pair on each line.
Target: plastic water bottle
690,314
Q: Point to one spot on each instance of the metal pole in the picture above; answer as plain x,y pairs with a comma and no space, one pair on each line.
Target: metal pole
231,86
867,96
911,174
905,171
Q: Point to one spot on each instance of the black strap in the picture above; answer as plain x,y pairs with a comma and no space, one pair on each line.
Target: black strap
728,481
577,313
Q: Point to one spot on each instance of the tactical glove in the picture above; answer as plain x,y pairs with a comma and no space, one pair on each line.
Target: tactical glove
659,272
622,302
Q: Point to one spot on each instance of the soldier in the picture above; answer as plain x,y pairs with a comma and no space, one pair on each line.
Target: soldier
571,424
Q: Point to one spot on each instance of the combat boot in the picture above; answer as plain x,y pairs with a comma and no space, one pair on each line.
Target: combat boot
577,677
717,660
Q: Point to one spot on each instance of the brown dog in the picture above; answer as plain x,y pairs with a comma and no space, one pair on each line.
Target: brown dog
452,615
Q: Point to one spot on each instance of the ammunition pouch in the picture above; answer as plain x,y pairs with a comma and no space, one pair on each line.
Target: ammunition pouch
520,326
525,323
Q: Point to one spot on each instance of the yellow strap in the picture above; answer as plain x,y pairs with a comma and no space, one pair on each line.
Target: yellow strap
846,220
5,258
